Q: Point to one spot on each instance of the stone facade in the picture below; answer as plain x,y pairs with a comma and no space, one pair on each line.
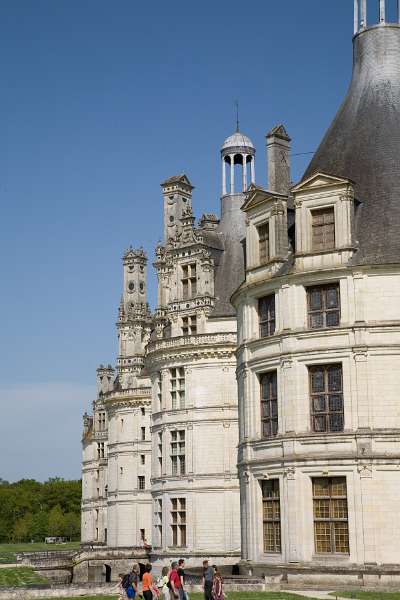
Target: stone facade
159,464
308,316
319,352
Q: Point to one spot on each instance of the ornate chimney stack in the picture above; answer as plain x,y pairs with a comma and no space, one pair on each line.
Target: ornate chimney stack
278,154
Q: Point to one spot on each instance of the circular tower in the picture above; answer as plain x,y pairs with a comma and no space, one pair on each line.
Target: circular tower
319,345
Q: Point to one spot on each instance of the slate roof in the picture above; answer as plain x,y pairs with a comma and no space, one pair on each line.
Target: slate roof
363,144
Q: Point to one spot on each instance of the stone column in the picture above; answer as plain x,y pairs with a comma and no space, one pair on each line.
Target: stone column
253,173
382,12
356,16
244,174
223,177
363,14
232,157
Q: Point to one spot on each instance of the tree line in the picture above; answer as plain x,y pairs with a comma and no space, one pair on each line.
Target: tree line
31,511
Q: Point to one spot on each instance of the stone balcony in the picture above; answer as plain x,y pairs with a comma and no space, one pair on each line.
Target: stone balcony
198,340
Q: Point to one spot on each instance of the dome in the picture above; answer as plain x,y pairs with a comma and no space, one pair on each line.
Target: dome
237,140
363,144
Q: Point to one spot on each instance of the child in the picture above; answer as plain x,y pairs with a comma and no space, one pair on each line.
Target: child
217,591
119,589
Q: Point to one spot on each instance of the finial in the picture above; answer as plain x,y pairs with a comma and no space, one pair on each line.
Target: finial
237,115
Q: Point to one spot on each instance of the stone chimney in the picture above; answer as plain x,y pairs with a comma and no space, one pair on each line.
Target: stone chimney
278,155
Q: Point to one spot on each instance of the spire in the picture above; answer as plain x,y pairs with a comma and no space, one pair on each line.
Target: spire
237,116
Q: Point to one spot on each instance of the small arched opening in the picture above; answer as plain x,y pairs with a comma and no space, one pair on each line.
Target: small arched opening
107,573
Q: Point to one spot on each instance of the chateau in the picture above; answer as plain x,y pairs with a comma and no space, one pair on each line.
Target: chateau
254,416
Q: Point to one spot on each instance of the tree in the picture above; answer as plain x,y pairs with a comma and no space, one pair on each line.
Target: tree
23,529
40,525
56,521
72,526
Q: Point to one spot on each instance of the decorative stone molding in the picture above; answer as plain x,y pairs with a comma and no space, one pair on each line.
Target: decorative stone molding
365,471
290,473
286,363
360,353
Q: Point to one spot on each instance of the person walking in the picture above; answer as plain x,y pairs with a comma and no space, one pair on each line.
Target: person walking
181,575
217,587
174,581
208,576
147,583
130,581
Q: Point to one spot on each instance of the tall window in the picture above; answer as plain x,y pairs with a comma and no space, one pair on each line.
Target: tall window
178,453
323,306
143,433
177,379
101,421
326,389
331,530
189,281
160,451
323,229
189,325
159,390
263,243
271,516
142,459
141,482
266,315
158,519
269,404
100,450
178,522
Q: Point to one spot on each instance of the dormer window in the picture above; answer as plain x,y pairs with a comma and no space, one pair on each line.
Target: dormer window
263,243
323,229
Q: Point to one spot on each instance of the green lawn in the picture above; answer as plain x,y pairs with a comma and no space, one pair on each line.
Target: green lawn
229,595
368,595
19,577
8,552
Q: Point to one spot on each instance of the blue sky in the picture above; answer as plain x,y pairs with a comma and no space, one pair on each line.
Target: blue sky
100,102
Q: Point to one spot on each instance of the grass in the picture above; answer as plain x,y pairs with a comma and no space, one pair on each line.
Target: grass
229,595
359,595
8,552
19,577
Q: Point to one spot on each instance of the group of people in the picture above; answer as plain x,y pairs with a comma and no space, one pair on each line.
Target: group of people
170,585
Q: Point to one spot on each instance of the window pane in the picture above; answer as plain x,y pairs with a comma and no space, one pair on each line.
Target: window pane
321,509
321,486
338,486
274,408
315,299
265,409
322,536
332,318
332,297
266,429
336,403
341,531
335,379
317,381
339,508
319,404
316,320
319,423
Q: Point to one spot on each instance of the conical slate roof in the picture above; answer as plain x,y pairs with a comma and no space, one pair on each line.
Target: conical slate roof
363,143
